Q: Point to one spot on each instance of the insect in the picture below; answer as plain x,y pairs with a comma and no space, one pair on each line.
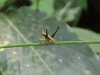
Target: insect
46,37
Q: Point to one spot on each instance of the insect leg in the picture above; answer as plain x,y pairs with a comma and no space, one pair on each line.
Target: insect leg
46,42
55,31
46,33
40,40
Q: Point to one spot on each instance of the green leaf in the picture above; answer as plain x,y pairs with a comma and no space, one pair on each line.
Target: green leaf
58,4
2,1
45,5
24,27
69,10
88,35
81,3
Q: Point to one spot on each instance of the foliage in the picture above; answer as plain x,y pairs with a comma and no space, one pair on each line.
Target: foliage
23,26
2,1
85,35
67,10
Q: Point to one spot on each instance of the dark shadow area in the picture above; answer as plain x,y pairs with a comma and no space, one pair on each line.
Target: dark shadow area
90,18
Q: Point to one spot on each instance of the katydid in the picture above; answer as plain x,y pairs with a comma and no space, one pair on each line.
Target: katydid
46,37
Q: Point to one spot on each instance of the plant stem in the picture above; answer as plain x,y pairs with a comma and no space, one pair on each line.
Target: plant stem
52,43
37,4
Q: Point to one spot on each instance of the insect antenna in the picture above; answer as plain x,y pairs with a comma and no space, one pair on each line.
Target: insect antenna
41,29
55,31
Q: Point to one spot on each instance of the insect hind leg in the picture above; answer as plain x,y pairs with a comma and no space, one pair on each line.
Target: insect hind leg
55,31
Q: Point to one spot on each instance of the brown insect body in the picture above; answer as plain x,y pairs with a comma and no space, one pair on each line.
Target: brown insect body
49,37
